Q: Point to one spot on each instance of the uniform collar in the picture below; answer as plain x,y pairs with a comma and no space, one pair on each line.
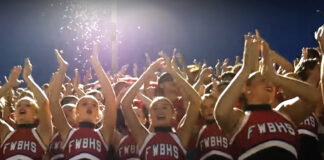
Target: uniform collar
257,107
210,121
25,126
86,125
162,129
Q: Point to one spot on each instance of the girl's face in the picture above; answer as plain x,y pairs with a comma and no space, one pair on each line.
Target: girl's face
260,91
169,87
69,113
161,113
87,110
207,108
25,112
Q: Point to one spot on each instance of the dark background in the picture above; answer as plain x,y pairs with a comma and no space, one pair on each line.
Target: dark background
202,30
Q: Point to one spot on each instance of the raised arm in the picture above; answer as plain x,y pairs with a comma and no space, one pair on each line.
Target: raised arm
276,57
146,100
40,96
299,108
228,118
87,77
174,63
6,91
76,82
135,69
137,129
5,128
321,109
225,65
12,81
319,37
184,131
182,65
218,68
55,86
282,61
44,114
110,112
205,74
322,80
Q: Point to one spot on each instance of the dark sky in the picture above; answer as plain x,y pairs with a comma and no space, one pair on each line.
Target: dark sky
199,29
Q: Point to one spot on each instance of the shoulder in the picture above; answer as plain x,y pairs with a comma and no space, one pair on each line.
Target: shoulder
5,128
5,125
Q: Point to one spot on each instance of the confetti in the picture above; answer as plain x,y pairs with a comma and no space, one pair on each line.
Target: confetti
85,23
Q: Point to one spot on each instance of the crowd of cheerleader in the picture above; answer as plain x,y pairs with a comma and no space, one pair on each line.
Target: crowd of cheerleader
260,107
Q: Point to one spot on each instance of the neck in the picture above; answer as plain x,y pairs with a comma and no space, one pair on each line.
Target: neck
312,80
255,101
86,125
257,107
210,121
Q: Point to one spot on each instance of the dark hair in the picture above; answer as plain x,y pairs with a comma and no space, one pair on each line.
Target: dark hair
165,77
119,86
45,86
306,65
26,93
224,83
68,99
209,96
312,53
227,76
236,68
209,86
252,77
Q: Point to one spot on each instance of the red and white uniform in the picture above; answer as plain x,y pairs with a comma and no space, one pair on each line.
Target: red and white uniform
162,145
309,142
212,143
309,126
181,111
54,148
127,148
23,143
265,133
85,142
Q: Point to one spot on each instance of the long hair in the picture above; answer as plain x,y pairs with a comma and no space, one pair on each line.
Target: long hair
33,103
305,66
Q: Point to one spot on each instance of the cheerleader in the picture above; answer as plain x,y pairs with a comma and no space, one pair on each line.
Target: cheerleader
260,132
29,140
211,142
162,143
85,141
